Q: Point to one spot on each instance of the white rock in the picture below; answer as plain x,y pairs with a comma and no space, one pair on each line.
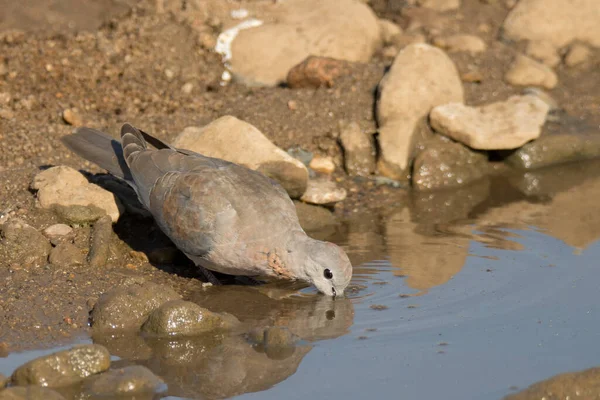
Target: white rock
557,21
527,72
237,141
461,43
65,186
544,51
323,192
421,77
440,5
342,29
503,125
577,54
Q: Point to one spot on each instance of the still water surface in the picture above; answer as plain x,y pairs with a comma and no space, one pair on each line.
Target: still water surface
473,294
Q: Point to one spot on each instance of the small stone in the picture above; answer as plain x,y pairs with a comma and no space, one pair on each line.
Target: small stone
544,51
323,192
78,215
99,247
324,165
66,254
542,95
503,125
527,72
237,141
72,117
577,54
292,105
440,5
389,52
314,218
29,393
304,156
461,43
126,308
23,244
169,73
359,150
128,381
57,232
389,29
6,113
184,318
64,186
408,38
316,72
5,98
473,76
446,165
64,367
187,87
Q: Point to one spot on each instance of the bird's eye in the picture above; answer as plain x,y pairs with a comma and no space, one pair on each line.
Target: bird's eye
327,273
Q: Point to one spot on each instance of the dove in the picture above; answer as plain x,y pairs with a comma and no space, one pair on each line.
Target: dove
223,216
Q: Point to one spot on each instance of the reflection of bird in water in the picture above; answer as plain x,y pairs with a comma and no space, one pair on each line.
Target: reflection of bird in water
274,338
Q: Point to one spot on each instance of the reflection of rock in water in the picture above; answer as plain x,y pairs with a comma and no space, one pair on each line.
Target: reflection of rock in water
363,239
254,358
573,385
427,260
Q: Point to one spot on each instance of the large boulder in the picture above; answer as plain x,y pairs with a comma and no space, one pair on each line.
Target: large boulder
240,142
343,29
421,77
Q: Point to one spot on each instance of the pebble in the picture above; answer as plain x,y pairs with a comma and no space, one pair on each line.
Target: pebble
359,150
237,141
577,54
316,72
461,43
29,393
126,308
323,192
324,165
506,124
72,117
184,318
64,367
128,381
66,254
440,5
23,244
57,231
6,113
99,247
187,88
544,51
527,72
304,156
389,29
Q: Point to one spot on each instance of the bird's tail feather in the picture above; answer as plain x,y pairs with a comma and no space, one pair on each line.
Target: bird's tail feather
99,148
132,142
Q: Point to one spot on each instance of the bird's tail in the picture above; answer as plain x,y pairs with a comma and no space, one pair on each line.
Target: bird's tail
132,142
99,148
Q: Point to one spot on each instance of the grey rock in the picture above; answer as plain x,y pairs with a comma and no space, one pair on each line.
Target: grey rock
23,244
323,192
64,367
29,393
184,318
126,308
100,243
446,165
66,254
359,150
78,215
304,156
555,149
128,381
314,218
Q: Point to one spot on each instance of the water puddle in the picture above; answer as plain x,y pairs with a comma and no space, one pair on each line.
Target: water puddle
474,294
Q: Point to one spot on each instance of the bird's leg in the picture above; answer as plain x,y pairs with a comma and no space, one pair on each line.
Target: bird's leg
248,280
210,277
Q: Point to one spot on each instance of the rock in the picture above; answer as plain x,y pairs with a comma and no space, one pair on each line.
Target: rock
279,342
324,165
359,150
503,125
461,43
408,38
543,51
556,21
29,393
184,318
128,381
421,77
447,165
542,95
66,254
78,215
388,29
344,30
314,218
570,385
237,141
577,54
187,88
527,72
324,192
554,149
440,5
64,186
72,117
23,244
6,113
316,72
58,232
304,156
99,247
126,308
64,367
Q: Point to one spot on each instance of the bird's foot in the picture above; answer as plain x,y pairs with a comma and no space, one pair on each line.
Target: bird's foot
209,276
